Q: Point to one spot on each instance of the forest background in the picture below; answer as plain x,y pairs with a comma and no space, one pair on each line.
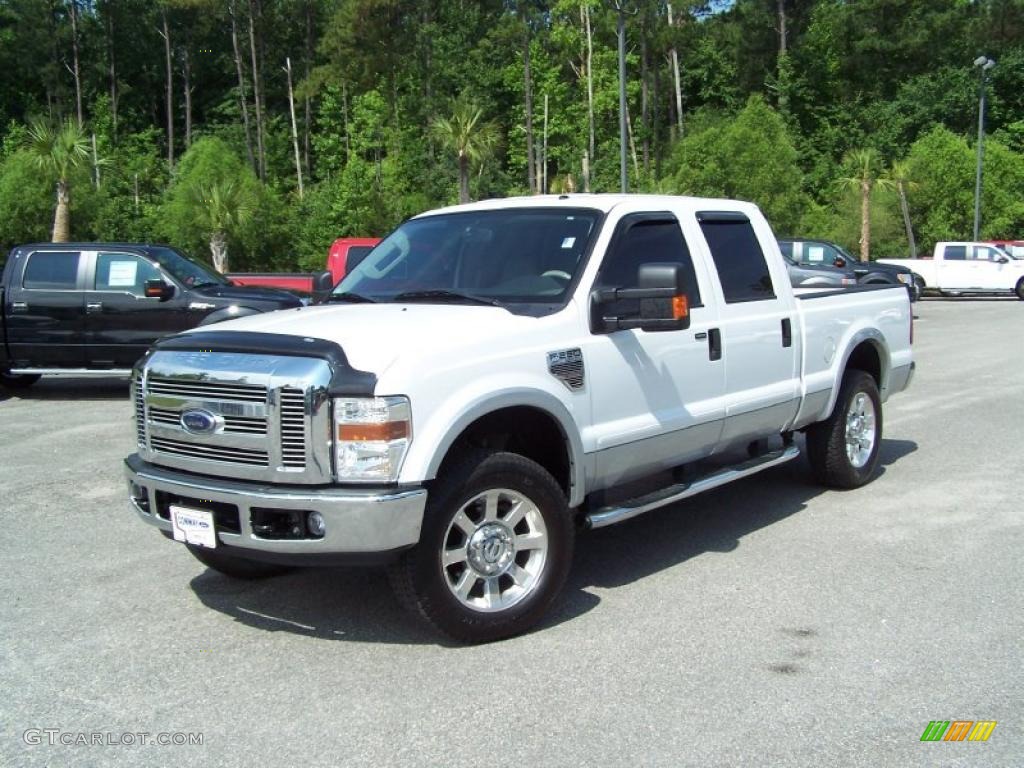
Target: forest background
280,125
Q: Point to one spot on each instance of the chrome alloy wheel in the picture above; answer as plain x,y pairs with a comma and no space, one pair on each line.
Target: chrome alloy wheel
494,550
860,430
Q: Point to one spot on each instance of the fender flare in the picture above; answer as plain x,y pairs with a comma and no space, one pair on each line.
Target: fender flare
520,397
874,337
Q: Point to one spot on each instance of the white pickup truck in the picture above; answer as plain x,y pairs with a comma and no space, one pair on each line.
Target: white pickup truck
494,377
957,268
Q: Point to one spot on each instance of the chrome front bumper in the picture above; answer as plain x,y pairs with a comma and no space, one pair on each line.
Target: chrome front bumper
357,522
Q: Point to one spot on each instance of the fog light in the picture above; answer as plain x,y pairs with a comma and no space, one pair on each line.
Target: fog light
315,523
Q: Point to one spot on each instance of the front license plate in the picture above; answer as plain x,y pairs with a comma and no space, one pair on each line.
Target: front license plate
193,526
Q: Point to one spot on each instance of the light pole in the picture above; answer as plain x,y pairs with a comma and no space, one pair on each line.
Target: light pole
619,6
985,64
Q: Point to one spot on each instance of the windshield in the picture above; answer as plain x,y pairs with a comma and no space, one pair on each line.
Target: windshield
519,255
189,271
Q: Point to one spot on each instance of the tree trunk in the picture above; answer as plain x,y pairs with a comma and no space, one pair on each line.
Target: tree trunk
645,146
865,220
186,71
261,158
463,178
295,130
243,99
62,216
111,62
219,251
906,219
531,179
590,90
307,108
781,69
75,72
166,34
678,86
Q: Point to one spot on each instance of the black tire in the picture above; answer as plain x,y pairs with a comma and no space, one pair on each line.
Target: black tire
11,381
827,440
421,582
235,567
1019,290
920,284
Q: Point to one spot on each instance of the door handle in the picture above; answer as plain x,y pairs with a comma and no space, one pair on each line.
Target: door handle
714,344
19,306
93,307
787,333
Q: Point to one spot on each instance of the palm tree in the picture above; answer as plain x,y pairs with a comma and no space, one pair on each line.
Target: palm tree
465,134
58,151
865,163
899,177
221,209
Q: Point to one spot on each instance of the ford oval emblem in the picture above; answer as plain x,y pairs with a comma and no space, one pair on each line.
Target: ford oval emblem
200,422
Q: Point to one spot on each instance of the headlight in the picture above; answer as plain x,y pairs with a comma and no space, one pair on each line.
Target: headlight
371,437
903,278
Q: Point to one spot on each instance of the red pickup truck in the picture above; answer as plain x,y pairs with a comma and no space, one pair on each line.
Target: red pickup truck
344,255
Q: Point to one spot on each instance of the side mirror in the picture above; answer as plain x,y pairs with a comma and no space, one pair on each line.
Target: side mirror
839,261
661,303
158,289
323,283
1002,260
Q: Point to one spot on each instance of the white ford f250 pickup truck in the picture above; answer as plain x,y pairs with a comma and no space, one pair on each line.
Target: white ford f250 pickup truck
493,377
957,268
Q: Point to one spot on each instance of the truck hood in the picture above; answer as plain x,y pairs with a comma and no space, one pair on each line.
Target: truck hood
373,336
261,294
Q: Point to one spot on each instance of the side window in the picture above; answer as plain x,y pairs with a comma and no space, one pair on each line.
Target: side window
955,253
52,270
787,249
123,272
984,253
644,240
738,257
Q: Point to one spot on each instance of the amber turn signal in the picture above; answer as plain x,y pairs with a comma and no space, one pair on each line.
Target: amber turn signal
680,307
391,430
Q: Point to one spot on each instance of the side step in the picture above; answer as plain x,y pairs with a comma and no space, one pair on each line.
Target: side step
616,514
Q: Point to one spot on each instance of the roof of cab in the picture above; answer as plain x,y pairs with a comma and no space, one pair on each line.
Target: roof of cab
602,202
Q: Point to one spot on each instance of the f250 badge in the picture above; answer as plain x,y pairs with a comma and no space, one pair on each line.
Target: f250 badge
200,422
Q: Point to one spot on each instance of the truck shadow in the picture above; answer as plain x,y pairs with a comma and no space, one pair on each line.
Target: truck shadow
70,390
356,605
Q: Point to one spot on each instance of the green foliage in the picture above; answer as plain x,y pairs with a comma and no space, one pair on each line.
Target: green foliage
26,201
750,157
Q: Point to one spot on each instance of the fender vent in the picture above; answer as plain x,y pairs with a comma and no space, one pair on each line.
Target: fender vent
566,365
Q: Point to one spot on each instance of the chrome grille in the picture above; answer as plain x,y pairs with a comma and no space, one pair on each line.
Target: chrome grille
224,454
140,410
293,428
238,425
203,390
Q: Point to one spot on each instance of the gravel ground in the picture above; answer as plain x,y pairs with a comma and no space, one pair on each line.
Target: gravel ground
766,623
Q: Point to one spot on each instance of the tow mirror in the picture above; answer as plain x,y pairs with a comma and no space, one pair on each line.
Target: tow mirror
839,262
322,284
158,289
658,303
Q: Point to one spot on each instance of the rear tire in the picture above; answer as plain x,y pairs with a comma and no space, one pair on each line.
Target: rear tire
843,449
494,550
1019,290
235,567
23,381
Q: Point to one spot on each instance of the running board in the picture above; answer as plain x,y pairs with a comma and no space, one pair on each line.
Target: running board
632,508
91,373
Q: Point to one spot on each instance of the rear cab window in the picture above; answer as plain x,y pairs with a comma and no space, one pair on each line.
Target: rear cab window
737,256
51,271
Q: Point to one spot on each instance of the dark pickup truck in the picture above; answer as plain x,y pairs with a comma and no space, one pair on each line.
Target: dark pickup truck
93,309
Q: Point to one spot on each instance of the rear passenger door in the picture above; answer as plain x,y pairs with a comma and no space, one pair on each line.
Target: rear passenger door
758,326
656,397
45,310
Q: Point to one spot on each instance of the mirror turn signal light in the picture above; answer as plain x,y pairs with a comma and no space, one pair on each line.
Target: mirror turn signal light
680,307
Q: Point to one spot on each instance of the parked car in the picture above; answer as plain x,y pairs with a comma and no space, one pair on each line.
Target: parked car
89,309
494,376
809,275
957,268
345,253
1012,248
817,252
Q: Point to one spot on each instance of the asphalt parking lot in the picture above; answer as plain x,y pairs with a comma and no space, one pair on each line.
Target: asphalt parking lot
769,622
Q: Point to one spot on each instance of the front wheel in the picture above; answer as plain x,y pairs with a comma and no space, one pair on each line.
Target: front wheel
1019,290
22,381
843,449
494,550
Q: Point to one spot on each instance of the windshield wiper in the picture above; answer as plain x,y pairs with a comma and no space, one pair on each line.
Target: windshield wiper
354,298
443,295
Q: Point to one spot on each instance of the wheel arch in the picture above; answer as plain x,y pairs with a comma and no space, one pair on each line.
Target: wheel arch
866,351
